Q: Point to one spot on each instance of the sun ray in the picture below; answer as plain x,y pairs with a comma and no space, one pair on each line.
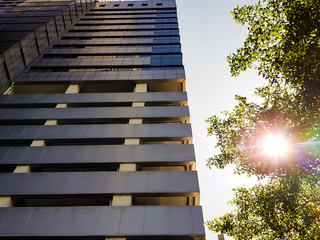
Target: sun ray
275,145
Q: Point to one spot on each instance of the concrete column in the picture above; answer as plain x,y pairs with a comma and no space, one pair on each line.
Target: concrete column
26,169
126,200
121,200
192,167
61,105
128,167
38,143
140,87
5,202
22,169
51,122
138,104
197,200
72,89
132,141
115,238
135,121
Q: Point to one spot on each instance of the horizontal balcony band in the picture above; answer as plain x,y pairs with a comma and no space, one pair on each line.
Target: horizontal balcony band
94,141
125,33
112,21
125,12
133,31
156,66
114,51
97,51
94,120
102,221
80,141
99,131
94,56
88,98
93,113
155,84
165,154
125,16
125,9
89,36
135,53
118,41
142,26
110,31
124,28
48,4
71,5
125,22
121,33
39,12
40,8
91,62
16,19
156,47
83,76
133,16
144,10
138,5
181,183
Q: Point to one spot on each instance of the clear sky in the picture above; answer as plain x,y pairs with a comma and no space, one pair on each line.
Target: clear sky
208,36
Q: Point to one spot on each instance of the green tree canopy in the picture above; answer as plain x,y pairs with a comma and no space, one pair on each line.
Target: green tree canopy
283,44
283,209
287,206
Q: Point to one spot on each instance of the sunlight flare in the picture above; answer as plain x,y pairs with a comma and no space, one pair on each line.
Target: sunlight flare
275,146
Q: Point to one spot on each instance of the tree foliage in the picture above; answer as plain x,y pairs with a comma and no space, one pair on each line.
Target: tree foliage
283,44
283,209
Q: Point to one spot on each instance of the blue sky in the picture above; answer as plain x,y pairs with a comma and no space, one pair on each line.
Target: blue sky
208,36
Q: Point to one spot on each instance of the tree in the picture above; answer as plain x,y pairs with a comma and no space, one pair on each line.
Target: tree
283,44
288,205
277,210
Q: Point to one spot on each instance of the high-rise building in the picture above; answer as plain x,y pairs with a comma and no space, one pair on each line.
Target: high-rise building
95,135
28,27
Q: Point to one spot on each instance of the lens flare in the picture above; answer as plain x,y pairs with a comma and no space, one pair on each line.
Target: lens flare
275,146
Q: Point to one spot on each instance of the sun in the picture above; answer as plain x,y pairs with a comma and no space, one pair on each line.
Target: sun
275,145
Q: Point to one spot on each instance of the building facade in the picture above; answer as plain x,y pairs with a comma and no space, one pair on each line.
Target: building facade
28,27
95,136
